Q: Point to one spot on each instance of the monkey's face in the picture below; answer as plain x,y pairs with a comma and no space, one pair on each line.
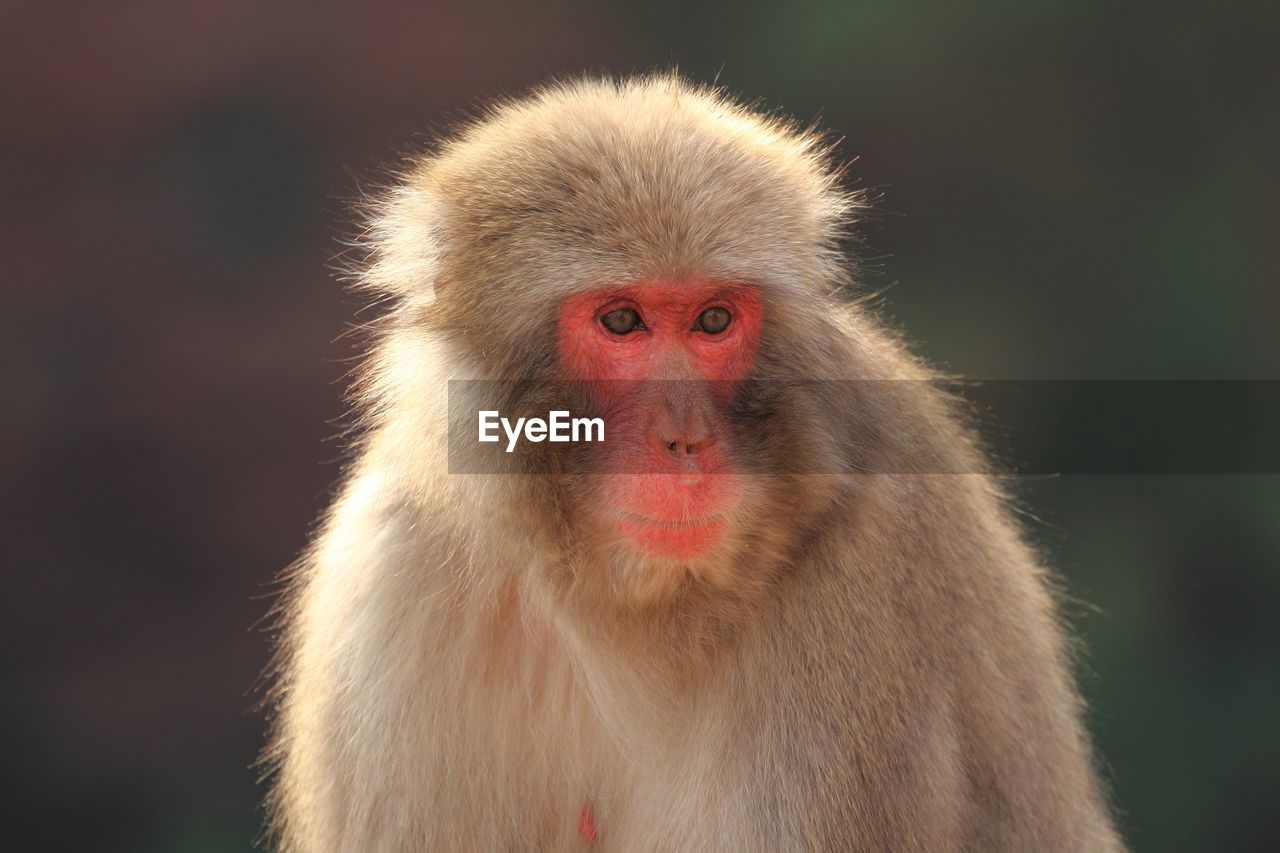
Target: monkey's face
662,363
632,244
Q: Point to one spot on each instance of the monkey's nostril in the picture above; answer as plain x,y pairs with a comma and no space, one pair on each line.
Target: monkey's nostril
682,449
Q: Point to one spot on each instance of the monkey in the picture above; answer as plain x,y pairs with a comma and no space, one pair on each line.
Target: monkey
761,615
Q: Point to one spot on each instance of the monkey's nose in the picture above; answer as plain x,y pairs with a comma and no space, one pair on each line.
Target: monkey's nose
685,455
682,435
682,443
681,449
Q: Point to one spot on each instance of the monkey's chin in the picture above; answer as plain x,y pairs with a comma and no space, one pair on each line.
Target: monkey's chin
675,540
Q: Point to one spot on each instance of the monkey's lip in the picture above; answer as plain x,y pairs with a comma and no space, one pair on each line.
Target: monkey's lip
629,518
681,539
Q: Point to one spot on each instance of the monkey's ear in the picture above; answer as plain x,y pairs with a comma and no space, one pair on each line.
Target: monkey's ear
402,244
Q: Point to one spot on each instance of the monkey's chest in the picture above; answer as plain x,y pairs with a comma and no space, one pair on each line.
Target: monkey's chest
533,745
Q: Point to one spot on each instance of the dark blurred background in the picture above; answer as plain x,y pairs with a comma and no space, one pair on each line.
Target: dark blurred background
1070,190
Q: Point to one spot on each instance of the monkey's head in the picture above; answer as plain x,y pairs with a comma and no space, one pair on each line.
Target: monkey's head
676,258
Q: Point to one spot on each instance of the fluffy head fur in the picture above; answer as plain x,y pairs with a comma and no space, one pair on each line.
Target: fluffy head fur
644,180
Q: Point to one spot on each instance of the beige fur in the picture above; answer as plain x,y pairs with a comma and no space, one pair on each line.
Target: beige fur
872,662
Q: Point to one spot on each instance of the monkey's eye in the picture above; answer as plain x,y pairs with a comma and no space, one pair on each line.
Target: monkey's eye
622,321
713,321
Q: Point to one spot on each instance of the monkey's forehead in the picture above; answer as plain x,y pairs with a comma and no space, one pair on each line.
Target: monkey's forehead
592,182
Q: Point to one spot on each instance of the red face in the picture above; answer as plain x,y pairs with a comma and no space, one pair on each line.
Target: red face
661,361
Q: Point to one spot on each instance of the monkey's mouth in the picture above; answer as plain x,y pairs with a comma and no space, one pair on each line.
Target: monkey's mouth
682,539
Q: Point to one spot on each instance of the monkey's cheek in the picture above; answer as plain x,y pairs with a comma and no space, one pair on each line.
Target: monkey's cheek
685,541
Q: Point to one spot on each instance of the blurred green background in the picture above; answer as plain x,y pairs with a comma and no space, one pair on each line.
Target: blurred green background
1069,191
